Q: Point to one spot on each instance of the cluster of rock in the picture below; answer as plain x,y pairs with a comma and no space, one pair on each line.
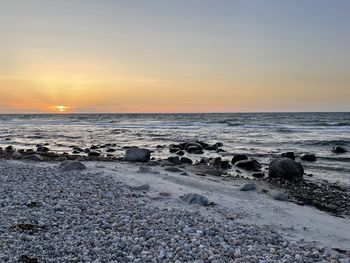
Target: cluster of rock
196,147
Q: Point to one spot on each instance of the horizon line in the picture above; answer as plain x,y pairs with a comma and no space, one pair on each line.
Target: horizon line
134,113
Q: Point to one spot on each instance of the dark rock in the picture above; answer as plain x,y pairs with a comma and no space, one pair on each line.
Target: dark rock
185,160
220,151
258,175
94,147
247,187
338,149
159,146
193,147
94,154
174,150
219,144
216,162
75,152
195,199
28,227
87,150
288,155
204,161
181,153
225,165
175,160
78,149
67,166
211,148
249,164
285,168
203,144
10,149
137,155
220,164
238,157
42,149
110,150
173,170
27,259
309,157
33,157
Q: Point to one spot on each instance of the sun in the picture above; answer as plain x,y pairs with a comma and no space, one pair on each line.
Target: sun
61,108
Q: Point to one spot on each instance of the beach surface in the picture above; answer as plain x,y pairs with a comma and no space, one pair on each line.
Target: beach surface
128,212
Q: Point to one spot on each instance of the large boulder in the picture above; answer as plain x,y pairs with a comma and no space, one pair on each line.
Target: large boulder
249,164
285,168
338,149
67,166
137,155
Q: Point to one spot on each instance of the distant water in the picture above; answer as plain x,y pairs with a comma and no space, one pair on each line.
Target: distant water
262,135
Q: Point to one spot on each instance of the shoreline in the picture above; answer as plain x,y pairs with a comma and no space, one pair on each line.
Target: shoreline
297,228
333,198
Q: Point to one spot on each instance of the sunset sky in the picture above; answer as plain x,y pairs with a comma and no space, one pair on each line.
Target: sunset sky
174,55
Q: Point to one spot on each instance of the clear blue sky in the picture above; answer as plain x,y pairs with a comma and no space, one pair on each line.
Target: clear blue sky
179,55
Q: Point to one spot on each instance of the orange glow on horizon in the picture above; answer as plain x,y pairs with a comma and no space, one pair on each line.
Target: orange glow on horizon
61,108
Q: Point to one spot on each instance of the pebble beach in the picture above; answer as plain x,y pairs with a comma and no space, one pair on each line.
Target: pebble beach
89,215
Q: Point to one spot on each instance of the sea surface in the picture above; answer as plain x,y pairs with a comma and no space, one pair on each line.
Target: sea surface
260,135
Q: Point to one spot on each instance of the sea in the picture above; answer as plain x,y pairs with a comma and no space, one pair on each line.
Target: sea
260,135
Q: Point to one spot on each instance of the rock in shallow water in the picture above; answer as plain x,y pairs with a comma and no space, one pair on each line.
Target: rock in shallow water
290,155
238,157
338,149
309,157
285,168
137,155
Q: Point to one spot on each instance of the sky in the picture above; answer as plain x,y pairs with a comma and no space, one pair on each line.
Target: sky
87,56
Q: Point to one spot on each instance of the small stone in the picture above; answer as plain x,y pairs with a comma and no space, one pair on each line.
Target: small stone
136,249
143,187
247,187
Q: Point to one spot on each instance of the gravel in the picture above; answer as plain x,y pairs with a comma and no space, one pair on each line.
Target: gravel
84,216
